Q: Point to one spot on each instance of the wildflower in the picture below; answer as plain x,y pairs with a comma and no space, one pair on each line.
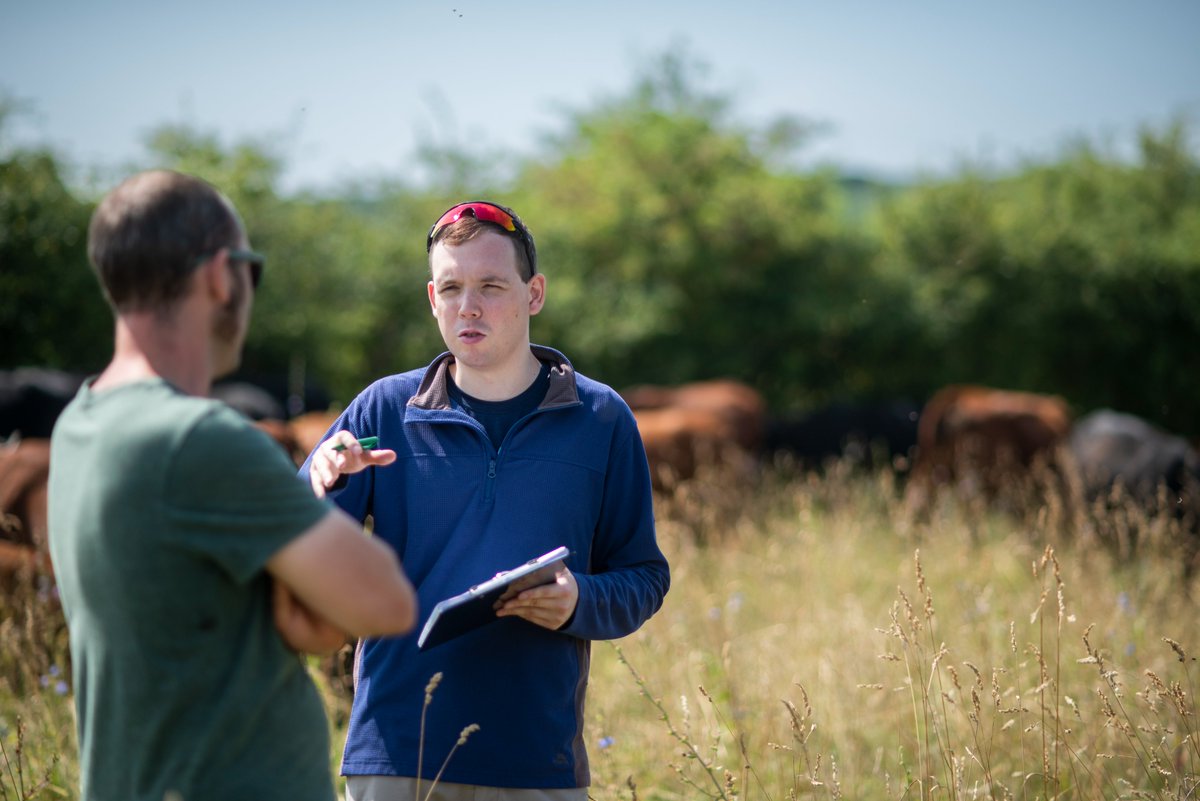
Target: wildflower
735,602
1124,604
60,687
605,742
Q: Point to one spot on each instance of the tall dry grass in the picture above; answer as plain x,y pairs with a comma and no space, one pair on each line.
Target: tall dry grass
819,643
37,723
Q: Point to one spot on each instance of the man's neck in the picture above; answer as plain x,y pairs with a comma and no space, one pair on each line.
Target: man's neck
498,384
147,346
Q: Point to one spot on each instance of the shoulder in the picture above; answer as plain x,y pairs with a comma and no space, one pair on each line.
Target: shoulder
604,402
217,432
591,388
595,392
397,388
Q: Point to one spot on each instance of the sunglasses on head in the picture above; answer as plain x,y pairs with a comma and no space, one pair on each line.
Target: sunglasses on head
488,212
255,260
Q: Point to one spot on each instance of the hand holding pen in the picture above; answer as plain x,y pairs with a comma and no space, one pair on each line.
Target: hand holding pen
342,454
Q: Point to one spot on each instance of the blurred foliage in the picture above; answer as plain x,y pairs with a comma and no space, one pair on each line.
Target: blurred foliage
1080,278
680,245
51,309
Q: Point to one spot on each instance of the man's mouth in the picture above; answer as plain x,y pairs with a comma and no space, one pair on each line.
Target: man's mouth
470,335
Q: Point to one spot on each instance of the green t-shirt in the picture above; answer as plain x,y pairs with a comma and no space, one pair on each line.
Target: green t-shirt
164,509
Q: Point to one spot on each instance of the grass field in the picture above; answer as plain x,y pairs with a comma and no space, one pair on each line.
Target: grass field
817,643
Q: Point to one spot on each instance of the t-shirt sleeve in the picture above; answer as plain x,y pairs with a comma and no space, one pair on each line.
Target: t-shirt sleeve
233,495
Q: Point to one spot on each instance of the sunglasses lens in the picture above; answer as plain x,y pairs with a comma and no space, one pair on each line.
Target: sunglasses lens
484,211
489,213
480,211
256,271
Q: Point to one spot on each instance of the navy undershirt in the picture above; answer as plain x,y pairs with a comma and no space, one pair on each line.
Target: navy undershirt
497,417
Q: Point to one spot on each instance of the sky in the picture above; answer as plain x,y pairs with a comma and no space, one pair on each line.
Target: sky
346,91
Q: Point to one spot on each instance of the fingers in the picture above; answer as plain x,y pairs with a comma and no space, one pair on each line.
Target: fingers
549,606
328,462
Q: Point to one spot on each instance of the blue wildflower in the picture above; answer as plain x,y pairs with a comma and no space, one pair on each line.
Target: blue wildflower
605,742
1124,603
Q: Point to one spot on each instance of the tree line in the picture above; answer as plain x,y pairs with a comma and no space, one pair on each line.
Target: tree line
681,244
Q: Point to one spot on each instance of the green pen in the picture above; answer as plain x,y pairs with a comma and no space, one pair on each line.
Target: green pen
367,443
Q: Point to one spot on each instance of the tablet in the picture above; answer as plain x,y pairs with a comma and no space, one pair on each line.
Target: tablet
477,606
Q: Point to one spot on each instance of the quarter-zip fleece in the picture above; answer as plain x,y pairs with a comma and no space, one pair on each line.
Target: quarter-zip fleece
459,510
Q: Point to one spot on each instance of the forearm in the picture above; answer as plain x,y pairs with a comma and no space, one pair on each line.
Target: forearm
302,629
616,603
352,580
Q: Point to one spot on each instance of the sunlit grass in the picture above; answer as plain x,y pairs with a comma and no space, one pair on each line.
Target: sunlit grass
818,643
934,661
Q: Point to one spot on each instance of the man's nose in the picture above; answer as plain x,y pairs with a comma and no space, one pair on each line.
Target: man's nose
469,305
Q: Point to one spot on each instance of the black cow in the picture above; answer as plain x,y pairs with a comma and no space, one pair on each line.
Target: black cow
856,432
32,398
293,395
1112,448
251,400
1119,455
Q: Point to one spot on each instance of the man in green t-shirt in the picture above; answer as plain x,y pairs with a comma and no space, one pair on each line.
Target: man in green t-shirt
191,563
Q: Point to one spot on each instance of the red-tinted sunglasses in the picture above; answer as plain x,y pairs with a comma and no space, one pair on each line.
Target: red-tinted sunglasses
488,212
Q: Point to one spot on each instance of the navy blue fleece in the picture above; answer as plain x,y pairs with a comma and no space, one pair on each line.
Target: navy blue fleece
459,510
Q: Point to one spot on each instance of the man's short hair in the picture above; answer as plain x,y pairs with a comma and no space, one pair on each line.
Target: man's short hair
149,234
466,228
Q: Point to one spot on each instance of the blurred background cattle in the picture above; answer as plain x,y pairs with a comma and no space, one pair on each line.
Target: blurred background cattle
716,424
24,543
993,445
31,398
864,435
1121,454
1134,477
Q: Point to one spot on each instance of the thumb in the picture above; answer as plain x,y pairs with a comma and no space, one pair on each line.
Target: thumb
380,457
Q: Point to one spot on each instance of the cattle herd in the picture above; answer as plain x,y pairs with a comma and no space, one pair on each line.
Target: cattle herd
990,445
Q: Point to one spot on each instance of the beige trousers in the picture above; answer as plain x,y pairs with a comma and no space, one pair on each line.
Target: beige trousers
403,788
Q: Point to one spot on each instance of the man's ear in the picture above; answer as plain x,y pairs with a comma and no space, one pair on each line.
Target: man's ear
216,278
432,298
537,293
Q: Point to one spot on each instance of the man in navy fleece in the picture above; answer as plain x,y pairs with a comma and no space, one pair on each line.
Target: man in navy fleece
495,453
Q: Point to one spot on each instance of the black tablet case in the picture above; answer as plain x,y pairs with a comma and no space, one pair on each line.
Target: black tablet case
475,607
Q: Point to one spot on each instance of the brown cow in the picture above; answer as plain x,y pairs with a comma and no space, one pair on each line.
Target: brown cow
989,442
710,423
679,441
740,407
24,476
307,431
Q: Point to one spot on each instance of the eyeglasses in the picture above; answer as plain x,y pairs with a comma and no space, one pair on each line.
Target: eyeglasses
256,261
488,212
